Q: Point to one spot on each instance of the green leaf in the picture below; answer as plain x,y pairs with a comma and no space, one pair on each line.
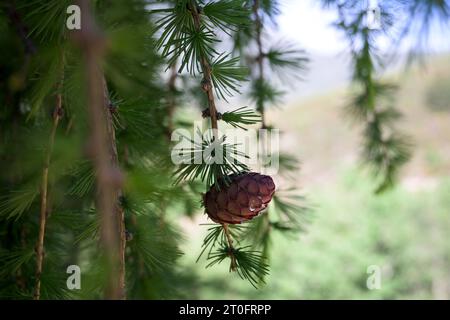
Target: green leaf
227,75
84,176
291,209
287,60
17,202
228,15
46,20
174,22
155,243
12,260
216,236
251,264
385,155
271,8
180,38
209,159
263,93
243,115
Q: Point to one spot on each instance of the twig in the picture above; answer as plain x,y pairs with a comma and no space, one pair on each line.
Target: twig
233,265
57,113
207,87
260,61
206,69
261,55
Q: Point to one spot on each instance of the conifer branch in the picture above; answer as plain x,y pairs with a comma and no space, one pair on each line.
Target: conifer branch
119,211
44,208
208,88
206,70
104,154
233,265
261,55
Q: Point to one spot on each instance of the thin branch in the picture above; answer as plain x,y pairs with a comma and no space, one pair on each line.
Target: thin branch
207,87
260,61
233,265
261,55
57,113
206,69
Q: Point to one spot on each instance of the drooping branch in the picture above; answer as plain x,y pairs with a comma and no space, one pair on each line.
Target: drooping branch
119,211
208,88
104,155
260,57
57,114
233,265
206,70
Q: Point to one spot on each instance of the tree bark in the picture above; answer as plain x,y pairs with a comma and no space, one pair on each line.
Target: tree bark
104,154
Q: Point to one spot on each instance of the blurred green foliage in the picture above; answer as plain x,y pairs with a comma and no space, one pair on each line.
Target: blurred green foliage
405,233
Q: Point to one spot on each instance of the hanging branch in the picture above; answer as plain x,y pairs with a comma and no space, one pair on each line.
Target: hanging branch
208,88
206,69
44,209
119,211
104,153
260,57
265,223
187,34
283,59
384,149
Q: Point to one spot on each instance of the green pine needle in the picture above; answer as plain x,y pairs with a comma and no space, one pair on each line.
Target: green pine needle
210,160
17,202
287,60
251,264
241,116
228,15
227,75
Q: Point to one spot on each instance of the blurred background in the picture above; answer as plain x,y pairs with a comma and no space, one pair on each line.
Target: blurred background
403,232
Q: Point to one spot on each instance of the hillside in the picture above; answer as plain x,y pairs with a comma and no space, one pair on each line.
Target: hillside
323,136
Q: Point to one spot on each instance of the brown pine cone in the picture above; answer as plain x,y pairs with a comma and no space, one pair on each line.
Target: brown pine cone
242,199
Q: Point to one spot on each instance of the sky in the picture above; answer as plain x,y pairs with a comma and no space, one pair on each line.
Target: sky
305,22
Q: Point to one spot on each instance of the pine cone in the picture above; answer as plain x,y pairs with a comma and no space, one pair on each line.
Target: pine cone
242,199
